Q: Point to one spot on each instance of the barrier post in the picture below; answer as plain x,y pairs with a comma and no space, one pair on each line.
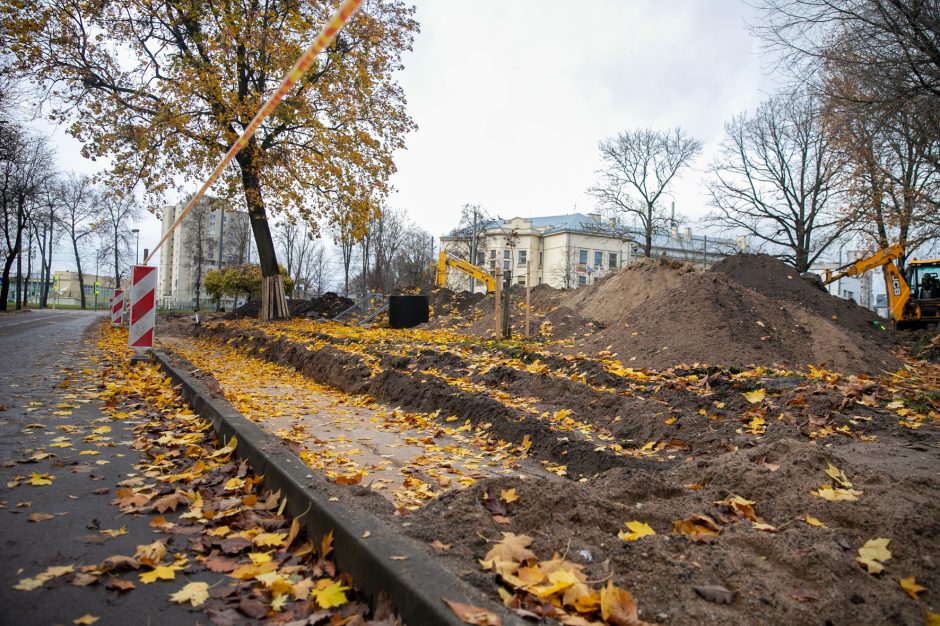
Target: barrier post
143,310
117,308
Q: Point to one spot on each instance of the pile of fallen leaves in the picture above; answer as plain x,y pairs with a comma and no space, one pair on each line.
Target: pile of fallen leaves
235,531
555,588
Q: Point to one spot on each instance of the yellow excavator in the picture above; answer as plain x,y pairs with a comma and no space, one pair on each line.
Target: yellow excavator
914,298
445,261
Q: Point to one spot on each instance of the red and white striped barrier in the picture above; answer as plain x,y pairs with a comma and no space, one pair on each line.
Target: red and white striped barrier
143,308
117,308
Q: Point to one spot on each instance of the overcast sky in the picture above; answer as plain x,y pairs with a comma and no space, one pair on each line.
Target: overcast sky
512,96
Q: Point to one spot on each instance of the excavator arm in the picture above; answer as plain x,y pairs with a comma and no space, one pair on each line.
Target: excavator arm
444,261
859,267
899,292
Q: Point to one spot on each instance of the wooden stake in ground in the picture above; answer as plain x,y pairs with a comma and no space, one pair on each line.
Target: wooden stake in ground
499,309
507,298
528,295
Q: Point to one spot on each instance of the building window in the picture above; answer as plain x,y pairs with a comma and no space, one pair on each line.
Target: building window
582,280
521,280
523,257
582,257
507,254
612,260
481,258
598,259
540,261
506,265
492,254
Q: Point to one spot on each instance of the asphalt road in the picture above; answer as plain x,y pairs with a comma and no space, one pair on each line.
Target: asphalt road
38,350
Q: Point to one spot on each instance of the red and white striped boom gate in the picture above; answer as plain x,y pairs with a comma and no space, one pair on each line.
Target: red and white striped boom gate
117,308
143,308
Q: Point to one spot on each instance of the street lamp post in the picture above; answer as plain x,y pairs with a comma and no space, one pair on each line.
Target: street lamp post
136,231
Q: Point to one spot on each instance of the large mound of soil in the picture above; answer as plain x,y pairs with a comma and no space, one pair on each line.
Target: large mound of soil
711,319
608,300
775,279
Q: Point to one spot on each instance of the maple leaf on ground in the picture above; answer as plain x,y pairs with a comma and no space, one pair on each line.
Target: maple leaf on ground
86,620
637,530
469,614
269,540
755,396
698,527
151,554
170,502
910,586
618,607
329,593
512,548
838,475
812,521
28,584
40,517
195,593
873,554
40,480
121,585
161,572
827,492
741,506
508,495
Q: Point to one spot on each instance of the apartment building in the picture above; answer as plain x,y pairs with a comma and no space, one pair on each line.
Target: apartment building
212,235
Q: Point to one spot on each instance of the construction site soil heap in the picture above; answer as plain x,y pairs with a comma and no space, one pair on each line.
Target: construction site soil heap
749,309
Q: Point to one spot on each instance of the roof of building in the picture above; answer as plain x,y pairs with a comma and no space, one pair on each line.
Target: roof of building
581,223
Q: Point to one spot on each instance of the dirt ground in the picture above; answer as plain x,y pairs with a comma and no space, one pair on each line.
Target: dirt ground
795,428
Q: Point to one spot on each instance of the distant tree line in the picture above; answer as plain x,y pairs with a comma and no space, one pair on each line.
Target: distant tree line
42,210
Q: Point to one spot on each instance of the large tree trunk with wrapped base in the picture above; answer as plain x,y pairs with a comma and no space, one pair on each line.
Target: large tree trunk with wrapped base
273,299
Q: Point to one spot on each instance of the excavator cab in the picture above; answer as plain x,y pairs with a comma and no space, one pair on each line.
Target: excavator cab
924,279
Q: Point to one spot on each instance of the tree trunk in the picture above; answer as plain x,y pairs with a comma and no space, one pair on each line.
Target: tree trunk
46,265
29,267
272,290
5,287
20,225
19,280
78,270
117,262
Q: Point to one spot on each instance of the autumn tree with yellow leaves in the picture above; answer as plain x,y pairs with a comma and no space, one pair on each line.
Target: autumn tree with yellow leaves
164,87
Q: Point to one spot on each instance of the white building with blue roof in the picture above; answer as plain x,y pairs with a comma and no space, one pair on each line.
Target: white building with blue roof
572,250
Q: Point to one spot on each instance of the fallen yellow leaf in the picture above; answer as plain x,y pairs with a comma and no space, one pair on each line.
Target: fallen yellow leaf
637,530
826,492
85,620
910,586
161,572
39,480
330,594
873,554
195,593
755,396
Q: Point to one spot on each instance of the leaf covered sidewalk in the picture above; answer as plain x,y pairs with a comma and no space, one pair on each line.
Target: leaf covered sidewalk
152,517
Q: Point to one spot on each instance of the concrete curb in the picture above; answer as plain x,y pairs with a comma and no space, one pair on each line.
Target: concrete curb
416,584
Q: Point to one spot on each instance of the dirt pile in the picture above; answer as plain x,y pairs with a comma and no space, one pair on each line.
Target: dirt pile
328,305
609,299
715,318
799,574
777,280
